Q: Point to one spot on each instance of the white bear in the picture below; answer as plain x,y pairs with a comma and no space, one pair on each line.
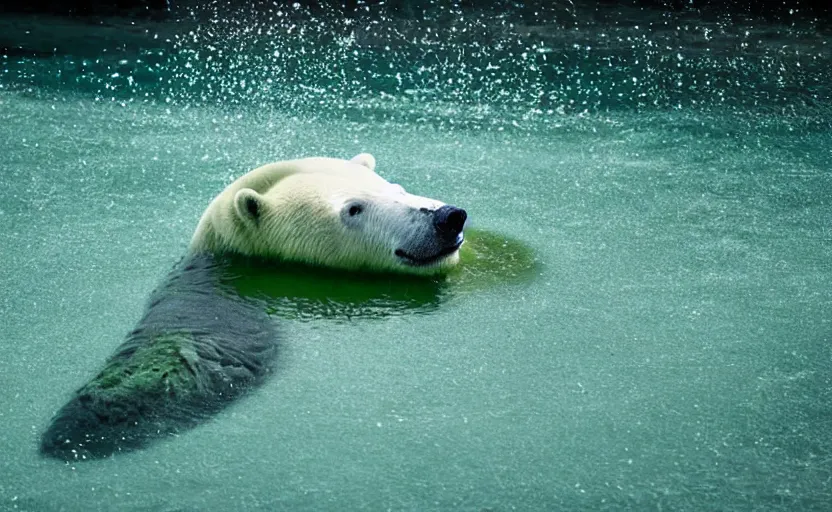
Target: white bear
199,345
331,212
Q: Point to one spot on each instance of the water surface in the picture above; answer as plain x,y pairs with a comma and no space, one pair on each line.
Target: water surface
671,351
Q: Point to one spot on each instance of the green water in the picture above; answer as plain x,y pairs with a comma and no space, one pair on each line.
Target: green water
670,351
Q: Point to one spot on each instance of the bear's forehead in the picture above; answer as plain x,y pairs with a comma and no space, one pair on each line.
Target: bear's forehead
328,182
336,189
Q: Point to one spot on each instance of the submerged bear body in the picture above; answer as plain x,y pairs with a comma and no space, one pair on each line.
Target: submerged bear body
197,347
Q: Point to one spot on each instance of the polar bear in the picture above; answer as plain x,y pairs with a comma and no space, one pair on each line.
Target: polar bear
334,213
199,344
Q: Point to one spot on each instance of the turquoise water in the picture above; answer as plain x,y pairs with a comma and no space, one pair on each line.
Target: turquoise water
671,351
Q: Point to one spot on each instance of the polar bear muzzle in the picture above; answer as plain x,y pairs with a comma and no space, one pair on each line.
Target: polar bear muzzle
445,240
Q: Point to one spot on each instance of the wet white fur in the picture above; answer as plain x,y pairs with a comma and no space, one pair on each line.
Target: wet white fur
300,206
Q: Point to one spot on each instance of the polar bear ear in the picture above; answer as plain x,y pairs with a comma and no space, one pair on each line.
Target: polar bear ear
248,204
365,159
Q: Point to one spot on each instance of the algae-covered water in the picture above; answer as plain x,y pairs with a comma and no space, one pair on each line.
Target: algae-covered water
671,176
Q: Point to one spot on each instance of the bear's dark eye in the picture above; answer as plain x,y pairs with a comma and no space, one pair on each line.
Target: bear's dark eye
355,210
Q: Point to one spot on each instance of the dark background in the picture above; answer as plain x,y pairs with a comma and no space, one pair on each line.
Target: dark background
773,10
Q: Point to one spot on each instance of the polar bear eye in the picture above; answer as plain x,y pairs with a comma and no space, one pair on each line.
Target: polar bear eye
351,213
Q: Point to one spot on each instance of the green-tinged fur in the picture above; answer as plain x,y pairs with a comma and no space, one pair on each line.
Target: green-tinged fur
162,367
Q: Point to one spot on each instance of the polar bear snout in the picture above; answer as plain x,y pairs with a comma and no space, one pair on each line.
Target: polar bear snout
449,221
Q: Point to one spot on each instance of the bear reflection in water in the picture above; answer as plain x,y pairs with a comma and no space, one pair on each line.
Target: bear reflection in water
302,292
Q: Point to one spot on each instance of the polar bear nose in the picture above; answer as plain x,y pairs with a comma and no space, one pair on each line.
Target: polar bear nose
449,220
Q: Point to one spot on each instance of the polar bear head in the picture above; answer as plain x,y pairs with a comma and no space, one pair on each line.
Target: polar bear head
335,213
